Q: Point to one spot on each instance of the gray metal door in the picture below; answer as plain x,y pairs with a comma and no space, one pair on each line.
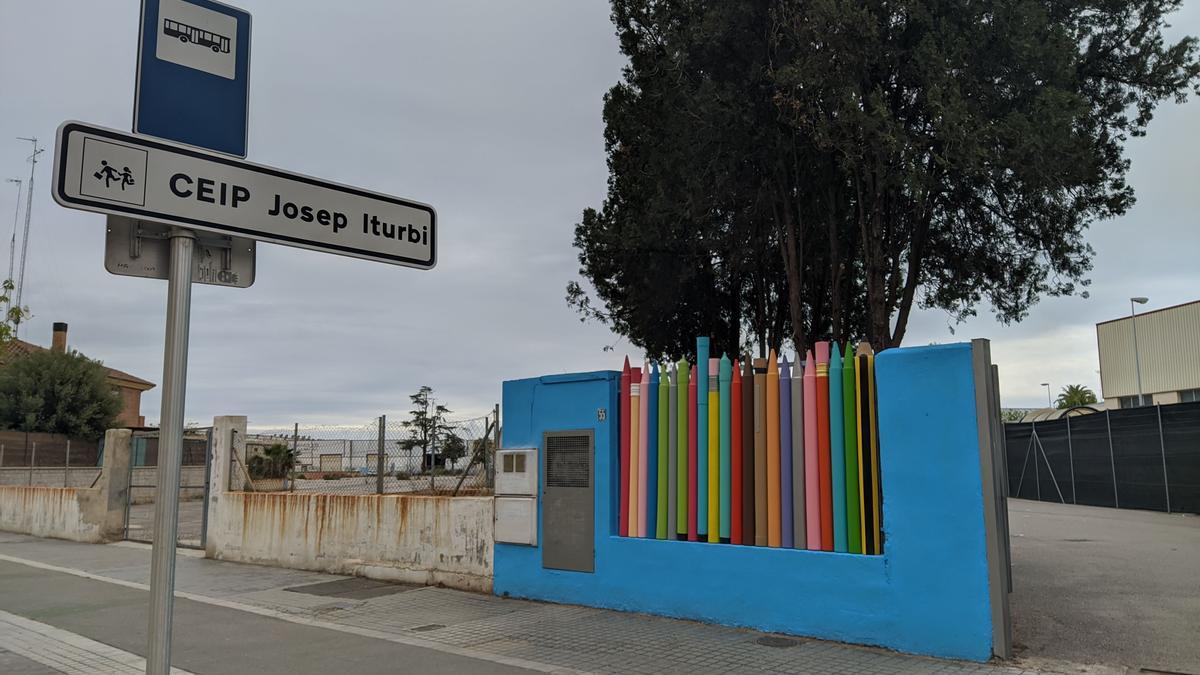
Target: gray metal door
568,499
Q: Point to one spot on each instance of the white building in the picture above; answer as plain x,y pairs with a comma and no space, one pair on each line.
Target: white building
1168,352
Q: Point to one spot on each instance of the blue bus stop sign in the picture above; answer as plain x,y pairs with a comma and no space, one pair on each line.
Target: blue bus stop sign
193,74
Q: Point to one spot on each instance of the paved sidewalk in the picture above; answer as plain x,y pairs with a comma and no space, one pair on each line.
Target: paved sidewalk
532,635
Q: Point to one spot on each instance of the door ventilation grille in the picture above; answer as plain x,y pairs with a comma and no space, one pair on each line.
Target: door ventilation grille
568,461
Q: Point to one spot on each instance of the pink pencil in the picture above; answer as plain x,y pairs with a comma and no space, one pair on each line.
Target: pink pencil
693,529
643,457
812,483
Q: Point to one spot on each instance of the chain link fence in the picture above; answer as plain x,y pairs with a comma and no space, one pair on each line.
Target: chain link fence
381,456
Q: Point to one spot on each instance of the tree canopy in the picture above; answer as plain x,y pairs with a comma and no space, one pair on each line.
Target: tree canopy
57,392
1075,395
807,170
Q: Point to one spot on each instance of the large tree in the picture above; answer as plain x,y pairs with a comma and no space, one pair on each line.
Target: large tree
977,140
896,154
58,393
677,249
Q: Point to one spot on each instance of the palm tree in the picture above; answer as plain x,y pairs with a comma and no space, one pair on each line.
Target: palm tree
1075,395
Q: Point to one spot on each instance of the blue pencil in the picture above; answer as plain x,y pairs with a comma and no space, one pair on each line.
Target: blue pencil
837,459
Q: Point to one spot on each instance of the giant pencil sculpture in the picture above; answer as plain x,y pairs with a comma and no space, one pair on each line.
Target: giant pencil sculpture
635,441
868,446
681,487
660,493
785,454
725,380
650,506
668,524
837,453
644,449
702,436
623,509
760,452
747,452
735,455
693,526
799,526
850,425
714,452
812,473
774,520
823,446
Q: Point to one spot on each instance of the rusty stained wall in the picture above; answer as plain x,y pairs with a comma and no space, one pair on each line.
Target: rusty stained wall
62,513
408,538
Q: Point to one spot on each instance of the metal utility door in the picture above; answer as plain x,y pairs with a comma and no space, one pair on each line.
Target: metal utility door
568,499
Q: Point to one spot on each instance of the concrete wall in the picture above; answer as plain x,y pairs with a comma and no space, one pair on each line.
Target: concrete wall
62,513
89,514
410,538
928,593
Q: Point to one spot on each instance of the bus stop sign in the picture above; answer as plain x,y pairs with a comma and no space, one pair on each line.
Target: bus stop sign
193,74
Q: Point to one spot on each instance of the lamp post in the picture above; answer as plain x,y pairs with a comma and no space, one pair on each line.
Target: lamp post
1049,403
1137,361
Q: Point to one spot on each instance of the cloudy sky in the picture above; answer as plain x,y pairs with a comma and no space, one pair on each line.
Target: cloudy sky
490,112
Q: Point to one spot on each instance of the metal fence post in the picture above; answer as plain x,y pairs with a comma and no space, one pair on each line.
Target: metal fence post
379,456
491,456
1,455
67,467
1162,448
1112,462
1071,457
1037,475
32,462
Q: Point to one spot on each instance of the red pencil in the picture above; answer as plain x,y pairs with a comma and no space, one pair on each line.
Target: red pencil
623,507
735,456
692,530
823,459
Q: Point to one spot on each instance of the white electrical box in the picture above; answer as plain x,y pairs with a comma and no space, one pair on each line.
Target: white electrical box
516,520
517,471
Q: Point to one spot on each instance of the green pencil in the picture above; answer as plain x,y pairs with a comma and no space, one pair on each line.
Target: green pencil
850,425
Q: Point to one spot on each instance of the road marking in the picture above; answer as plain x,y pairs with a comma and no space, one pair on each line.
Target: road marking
64,651
305,621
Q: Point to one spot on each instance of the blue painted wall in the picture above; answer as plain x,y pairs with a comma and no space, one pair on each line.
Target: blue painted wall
928,592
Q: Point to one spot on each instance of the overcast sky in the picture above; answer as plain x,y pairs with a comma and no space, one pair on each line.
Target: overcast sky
491,112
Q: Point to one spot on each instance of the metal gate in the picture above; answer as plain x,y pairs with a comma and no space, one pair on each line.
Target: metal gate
568,499
194,478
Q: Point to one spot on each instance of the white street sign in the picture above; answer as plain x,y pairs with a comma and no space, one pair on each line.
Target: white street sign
137,248
108,171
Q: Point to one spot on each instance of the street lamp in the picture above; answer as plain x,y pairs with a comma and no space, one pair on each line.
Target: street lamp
1137,361
1049,403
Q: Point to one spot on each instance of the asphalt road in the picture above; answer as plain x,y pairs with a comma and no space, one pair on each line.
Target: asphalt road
211,639
1106,586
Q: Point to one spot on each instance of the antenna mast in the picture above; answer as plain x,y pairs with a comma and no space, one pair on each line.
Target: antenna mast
25,236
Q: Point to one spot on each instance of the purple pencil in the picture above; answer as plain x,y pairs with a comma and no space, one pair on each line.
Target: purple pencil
785,451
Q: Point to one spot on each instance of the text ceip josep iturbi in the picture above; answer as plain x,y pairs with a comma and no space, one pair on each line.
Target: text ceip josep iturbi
227,194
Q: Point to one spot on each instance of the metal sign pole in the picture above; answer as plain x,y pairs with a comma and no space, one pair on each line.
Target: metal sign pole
170,452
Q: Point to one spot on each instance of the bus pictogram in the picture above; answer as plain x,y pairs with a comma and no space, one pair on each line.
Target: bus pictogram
186,34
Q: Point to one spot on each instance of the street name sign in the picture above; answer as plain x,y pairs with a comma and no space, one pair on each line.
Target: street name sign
139,248
193,74
108,171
